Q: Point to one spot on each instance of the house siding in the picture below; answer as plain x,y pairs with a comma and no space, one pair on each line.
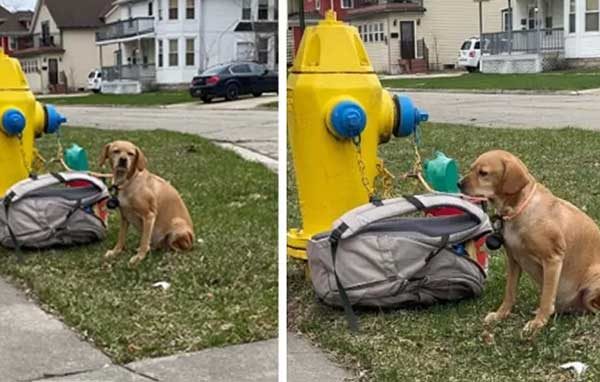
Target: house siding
80,57
444,26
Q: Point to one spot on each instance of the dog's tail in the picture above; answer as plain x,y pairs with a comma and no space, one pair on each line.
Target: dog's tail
181,239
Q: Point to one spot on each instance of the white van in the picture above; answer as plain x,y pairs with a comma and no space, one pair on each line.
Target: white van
469,56
95,81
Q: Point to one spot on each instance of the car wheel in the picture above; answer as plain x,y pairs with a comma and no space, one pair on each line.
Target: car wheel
96,91
206,99
232,92
471,69
257,94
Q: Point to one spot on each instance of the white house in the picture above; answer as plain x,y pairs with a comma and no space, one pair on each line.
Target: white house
544,34
60,51
166,42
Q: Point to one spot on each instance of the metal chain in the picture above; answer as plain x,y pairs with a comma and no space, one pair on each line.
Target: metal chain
387,179
362,169
23,159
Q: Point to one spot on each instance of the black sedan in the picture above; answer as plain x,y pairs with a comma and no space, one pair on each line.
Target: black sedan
232,80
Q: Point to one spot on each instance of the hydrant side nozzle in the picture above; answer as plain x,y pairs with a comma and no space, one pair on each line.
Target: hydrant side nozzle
13,122
347,119
53,119
409,116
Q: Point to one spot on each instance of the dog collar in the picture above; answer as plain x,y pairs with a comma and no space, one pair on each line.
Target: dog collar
521,206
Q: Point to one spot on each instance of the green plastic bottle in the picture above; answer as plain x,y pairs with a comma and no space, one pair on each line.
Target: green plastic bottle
442,173
76,158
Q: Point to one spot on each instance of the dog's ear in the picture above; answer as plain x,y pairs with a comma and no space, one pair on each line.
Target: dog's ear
104,154
515,176
140,160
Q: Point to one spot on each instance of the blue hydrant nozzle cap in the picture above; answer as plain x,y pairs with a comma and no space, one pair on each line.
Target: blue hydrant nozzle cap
409,116
348,119
53,119
13,122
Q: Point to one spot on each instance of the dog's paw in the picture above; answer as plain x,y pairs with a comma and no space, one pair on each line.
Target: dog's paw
533,327
493,317
135,261
111,254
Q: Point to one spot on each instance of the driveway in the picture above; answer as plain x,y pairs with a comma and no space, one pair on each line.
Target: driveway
253,129
511,110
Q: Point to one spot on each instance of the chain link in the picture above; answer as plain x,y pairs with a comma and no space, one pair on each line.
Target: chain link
362,169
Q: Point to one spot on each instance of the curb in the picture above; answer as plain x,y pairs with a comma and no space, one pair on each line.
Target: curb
497,91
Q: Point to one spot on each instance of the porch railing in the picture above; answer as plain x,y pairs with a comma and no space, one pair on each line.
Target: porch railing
367,3
143,72
527,41
125,28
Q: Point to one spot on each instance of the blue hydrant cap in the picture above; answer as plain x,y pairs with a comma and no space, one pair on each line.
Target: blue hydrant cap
348,119
410,117
13,122
53,119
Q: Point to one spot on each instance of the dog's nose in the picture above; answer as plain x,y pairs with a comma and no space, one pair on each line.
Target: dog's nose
460,184
122,162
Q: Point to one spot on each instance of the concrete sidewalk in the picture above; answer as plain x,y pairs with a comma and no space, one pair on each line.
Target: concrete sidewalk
34,346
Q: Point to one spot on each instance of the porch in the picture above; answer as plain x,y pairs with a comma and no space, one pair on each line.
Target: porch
539,35
128,79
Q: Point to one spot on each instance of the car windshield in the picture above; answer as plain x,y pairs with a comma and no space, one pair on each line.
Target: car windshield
214,70
92,75
466,45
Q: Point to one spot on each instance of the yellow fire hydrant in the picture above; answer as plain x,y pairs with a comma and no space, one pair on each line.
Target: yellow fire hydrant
22,119
338,114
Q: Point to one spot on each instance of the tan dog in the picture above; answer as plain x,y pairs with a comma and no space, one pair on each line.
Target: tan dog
147,202
549,238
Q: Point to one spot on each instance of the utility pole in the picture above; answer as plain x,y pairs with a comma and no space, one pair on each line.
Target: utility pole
510,27
301,15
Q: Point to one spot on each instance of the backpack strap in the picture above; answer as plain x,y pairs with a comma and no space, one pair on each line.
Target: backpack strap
351,317
361,217
24,187
7,203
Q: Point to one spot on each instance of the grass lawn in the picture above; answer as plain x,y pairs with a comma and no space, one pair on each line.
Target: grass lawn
551,81
143,99
444,343
223,292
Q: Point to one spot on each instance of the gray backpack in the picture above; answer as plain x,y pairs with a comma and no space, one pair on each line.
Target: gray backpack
56,209
378,256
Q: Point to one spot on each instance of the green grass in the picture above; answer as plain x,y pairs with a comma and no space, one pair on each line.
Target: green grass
223,292
551,81
445,343
143,99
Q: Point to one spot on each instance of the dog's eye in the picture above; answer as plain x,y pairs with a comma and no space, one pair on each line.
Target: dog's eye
116,151
483,173
131,154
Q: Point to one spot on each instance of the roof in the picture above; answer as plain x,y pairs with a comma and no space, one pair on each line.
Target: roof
76,13
385,8
12,23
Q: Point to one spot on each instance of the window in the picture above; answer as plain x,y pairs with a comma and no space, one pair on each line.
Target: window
189,9
150,8
360,32
246,9
240,69
592,14
160,53
347,4
376,34
263,50
263,9
245,51
318,4
189,51
173,10
371,30
160,9
572,16
381,32
173,56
